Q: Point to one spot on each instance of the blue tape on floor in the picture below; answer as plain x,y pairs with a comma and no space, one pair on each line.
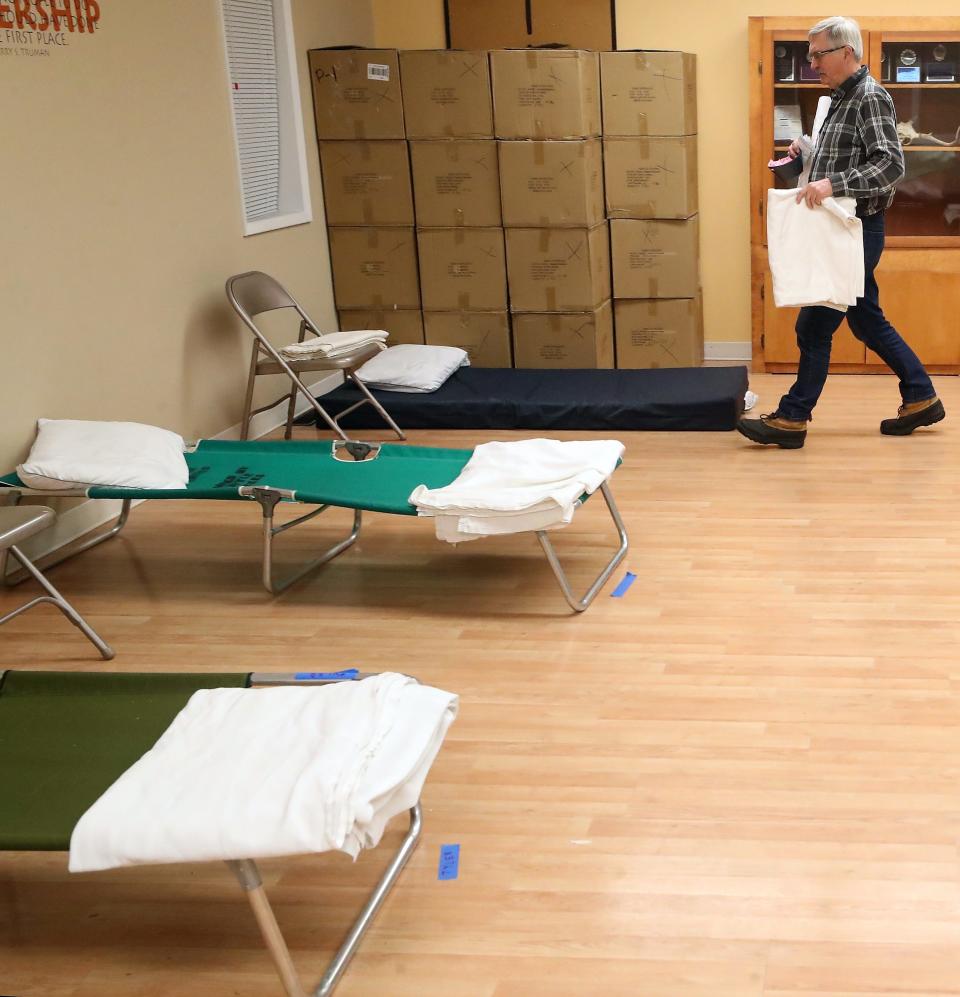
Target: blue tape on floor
449,862
347,673
628,579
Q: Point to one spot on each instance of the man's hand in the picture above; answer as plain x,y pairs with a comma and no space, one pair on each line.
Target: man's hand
815,192
794,149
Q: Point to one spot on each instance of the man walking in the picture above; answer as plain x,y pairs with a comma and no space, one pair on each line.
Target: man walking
858,154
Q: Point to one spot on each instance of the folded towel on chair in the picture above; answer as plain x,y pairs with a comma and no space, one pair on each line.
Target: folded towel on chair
251,773
516,487
333,344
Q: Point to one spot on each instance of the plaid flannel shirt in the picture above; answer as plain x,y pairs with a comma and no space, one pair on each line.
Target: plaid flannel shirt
858,149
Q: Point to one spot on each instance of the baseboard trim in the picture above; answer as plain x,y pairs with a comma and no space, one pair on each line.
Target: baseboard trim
93,513
735,352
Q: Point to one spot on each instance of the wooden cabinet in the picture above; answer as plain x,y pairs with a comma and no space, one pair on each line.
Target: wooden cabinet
919,273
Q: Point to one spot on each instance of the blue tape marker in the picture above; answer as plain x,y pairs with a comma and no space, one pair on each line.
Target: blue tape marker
628,579
347,673
449,862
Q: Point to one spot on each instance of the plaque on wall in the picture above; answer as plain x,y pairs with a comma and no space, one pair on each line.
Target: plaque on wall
940,70
785,65
908,71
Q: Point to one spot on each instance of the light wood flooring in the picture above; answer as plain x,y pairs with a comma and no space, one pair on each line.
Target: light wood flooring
740,780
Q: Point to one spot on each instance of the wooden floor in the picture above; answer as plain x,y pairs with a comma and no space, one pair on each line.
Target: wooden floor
740,779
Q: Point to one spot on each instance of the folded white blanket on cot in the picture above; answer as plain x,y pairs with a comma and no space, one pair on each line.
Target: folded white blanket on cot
332,345
516,487
251,773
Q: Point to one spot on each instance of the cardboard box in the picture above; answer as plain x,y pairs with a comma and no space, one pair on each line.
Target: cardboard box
551,184
403,324
650,177
659,332
519,23
456,182
356,93
558,269
446,94
367,183
462,269
657,258
484,335
374,267
649,93
545,93
580,340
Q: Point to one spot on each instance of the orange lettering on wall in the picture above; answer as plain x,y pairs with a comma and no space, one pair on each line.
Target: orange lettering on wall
81,24
6,15
24,18
62,13
93,13
43,18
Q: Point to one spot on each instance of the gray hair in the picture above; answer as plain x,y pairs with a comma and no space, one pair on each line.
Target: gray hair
840,31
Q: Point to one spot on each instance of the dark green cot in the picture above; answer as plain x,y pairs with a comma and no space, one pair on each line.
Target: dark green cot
342,473
65,737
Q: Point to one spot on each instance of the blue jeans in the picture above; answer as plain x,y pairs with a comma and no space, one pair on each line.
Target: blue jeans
816,326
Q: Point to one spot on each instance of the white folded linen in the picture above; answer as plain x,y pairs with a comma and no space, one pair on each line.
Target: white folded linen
251,773
333,344
815,254
516,487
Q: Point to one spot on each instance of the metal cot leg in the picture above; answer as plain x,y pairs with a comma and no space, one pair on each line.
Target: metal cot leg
249,877
579,605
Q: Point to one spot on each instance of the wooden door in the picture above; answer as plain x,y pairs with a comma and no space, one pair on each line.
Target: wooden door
920,295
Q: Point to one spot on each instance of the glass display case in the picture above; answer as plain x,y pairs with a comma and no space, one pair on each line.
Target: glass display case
918,61
921,75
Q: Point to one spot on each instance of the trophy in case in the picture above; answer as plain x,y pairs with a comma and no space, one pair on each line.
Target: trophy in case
784,63
939,70
884,68
907,69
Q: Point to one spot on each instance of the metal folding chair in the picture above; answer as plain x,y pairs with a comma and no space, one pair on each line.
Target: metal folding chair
18,523
254,293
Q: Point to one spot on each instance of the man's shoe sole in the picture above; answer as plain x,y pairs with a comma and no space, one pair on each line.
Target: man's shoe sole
785,443
906,425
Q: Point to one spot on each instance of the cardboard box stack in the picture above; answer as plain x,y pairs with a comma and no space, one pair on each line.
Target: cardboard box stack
467,192
650,169
367,189
456,190
547,119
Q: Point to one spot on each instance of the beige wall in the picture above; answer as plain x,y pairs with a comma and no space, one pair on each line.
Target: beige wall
717,33
413,24
121,220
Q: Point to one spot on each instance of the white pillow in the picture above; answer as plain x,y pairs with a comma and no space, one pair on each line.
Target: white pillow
70,453
409,367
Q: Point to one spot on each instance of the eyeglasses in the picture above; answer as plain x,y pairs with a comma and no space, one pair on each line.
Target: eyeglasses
813,56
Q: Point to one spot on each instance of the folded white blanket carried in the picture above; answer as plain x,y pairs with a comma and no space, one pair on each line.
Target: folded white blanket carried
251,773
815,254
333,344
516,487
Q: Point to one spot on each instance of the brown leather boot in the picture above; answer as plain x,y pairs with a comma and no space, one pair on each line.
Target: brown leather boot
913,415
774,429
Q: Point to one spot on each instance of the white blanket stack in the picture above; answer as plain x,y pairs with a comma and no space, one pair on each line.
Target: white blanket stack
251,773
515,487
332,345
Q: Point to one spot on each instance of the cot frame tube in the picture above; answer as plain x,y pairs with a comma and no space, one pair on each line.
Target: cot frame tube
579,605
268,499
248,876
